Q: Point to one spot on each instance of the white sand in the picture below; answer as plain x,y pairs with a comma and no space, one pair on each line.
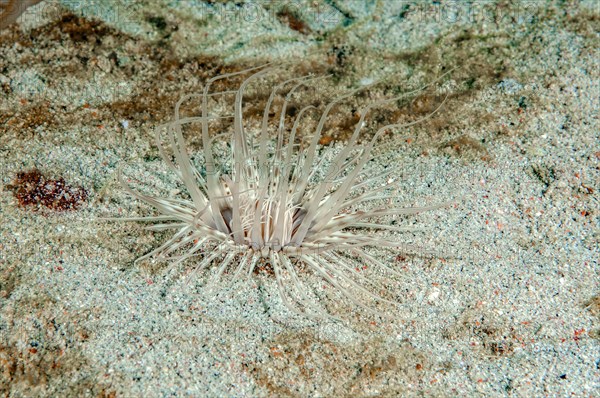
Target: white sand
503,309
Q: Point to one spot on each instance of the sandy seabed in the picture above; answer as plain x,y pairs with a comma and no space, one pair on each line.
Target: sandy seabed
509,303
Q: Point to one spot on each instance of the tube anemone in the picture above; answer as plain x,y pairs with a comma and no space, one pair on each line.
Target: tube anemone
280,203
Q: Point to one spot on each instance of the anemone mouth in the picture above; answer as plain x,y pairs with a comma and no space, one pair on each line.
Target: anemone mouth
288,204
267,239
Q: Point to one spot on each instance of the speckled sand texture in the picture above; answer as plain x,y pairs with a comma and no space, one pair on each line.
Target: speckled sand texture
509,304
